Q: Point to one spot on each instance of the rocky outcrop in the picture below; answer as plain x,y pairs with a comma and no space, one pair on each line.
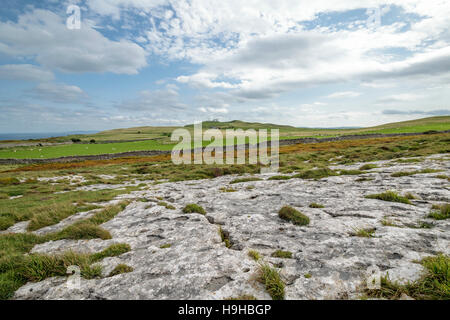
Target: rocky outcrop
198,265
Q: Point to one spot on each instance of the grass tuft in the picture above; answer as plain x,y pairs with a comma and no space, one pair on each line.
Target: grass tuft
365,233
271,278
368,166
433,285
193,208
282,254
442,213
255,255
245,180
119,269
316,205
389,196
296,217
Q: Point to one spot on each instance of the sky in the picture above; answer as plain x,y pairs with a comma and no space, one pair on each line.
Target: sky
129,63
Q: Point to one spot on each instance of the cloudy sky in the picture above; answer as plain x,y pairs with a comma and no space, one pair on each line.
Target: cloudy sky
170,62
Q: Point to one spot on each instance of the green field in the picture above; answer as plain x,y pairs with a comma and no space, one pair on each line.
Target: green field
161,137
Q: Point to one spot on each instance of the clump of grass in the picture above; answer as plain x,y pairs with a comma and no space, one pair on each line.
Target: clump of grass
391,196
224,189
442,213
7,181
165,246
315,174
16,270
245,180
243,297
271,278
119,269
112,251
433,285
307,275
316,205
410,173
282,254
296,217
255,255
410,196
225,236
368,166
364,232
442,176
166,205
280,178
193,208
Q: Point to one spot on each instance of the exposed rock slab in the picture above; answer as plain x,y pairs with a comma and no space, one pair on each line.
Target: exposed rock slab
199,266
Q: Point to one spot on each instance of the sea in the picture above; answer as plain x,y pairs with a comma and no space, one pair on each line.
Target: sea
39,135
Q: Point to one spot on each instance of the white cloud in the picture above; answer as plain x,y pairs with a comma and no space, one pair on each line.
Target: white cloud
59,93
25,72
344,94
42,35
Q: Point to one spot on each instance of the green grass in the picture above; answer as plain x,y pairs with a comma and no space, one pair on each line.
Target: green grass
442,213
193,208
165,246
389,196
280,177
245,180
364,233
433,285
316,205
368,166
255,255
119,269
225,236
166,205
161,137
315,174
43,206
271,279
296,217
18,270
410,173
282,254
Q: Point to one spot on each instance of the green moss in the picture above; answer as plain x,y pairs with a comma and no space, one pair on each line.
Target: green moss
193,208
166,205
316,205
307,275
165,246
290,214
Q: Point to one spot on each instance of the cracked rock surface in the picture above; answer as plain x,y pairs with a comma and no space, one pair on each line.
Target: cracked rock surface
198,265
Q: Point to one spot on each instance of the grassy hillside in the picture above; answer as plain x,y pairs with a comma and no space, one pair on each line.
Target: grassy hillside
161,137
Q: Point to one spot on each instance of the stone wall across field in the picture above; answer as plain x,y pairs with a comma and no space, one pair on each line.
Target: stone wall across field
150,153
